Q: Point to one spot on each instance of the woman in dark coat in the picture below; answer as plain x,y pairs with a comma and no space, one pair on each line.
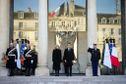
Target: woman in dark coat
56,58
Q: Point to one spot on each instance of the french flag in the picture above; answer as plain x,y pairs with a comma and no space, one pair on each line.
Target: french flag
114,57
54,13
107,56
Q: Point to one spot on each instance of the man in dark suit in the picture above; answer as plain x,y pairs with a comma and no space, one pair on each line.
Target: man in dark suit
56,58
68,59
95,56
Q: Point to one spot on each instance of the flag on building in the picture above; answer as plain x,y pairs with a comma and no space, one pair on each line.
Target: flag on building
58,11
107,58
52,14
114,57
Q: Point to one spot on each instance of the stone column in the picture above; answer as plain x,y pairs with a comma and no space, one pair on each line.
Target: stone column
4,31
123,34
11,32
91,22
42,39
91,29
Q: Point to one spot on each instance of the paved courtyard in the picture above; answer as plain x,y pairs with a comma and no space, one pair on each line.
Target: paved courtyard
63,80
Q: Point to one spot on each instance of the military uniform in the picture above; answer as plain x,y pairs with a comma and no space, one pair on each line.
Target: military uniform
27,62
34,61
11,53
95,56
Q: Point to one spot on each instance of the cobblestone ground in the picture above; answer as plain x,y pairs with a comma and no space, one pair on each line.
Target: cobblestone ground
63,80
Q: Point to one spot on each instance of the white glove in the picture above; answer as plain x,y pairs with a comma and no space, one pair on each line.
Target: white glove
91,46
15,60
31,61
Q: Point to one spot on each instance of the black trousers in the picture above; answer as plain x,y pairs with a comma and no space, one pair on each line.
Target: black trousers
28,71
95,68
68,70
56,72
33,71
11,71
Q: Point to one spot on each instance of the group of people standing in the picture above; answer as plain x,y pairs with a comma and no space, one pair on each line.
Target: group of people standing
68,59
20,55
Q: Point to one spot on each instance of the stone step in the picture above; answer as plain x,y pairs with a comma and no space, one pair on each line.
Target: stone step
121,79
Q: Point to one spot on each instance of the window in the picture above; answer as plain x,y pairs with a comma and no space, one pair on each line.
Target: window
103,20
119,20
21,15
110,20
36,35
20,25
99,20
107,21
115,21
112,31
119,31
36,26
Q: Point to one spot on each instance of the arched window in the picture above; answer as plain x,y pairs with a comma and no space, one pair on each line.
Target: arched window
103,20
111,20
20,14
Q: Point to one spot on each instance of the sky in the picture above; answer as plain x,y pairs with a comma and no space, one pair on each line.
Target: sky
103,6
25,4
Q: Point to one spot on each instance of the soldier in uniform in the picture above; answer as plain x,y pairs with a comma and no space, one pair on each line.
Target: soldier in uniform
11,54
28,59
68,59
56,58
34,60
95,56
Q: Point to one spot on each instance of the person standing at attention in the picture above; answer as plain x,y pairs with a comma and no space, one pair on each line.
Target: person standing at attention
68,59
95,56
56,59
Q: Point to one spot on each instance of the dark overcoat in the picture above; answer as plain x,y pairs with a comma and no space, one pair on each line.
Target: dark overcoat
68,56
56,58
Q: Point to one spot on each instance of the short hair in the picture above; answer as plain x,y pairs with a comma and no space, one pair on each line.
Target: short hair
94,44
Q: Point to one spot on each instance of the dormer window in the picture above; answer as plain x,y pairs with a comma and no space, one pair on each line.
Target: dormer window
20,15
111,20
103,20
